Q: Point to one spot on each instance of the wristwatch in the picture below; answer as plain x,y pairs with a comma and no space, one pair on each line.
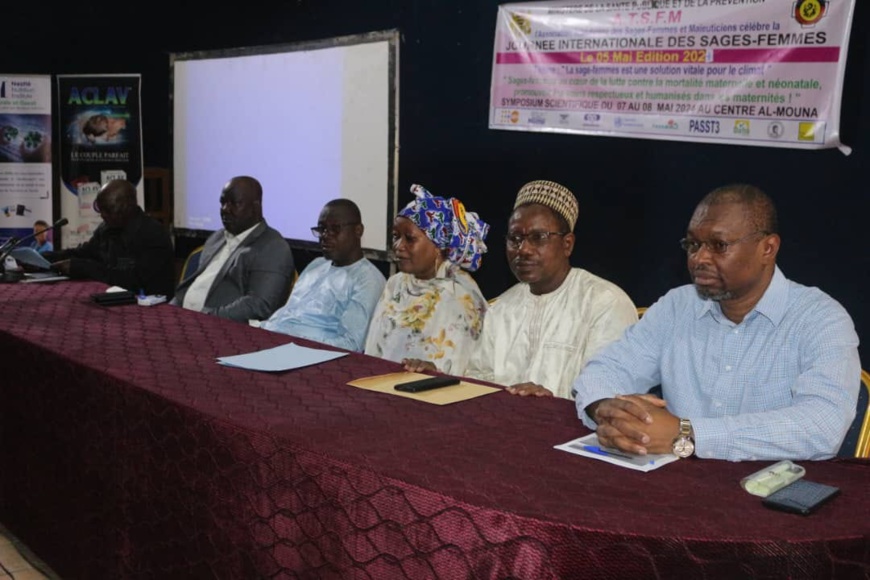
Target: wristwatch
684,444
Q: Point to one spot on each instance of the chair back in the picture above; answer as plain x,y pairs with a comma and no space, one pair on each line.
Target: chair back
190,264
862,447
857,440
293,279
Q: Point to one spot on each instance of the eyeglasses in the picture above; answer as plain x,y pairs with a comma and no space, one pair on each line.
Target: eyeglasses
714,246
535,239
331,229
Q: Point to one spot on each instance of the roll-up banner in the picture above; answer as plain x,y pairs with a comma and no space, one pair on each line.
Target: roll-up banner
100,132
25,153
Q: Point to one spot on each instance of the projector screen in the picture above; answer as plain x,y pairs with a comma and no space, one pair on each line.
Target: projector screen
312,122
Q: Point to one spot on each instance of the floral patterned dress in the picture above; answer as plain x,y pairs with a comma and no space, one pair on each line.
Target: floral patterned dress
438,320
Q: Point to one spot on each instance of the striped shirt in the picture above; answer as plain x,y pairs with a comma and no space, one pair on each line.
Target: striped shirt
781,384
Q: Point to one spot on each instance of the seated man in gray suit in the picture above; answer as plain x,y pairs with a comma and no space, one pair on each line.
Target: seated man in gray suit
246,268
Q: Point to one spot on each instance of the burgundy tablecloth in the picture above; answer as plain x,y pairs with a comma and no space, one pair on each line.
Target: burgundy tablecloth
127,452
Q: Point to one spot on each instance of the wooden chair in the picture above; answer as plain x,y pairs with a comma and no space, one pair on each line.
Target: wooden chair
857,440
862,446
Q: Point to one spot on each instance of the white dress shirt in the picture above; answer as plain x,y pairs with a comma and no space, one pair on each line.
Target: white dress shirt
547,339
197,293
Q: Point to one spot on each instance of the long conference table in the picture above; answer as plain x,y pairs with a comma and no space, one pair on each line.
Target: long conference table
127,452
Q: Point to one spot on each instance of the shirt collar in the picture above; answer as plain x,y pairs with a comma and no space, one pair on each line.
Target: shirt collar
775,300
238,239
772,305
554,293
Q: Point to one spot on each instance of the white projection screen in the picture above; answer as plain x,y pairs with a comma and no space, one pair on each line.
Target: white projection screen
312,122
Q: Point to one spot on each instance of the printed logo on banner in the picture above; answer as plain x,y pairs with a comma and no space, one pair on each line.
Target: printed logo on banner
807,131
521,24
112,175
775,129
741,126
536,118
671,125
591,120
17,89
704,126
809,12
507,116
627,123
564,118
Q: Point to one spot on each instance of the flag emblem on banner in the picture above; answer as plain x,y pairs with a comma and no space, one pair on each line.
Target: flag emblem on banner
808,12
521,24
807,131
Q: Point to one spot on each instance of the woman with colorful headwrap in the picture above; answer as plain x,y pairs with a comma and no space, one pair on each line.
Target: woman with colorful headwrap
432,310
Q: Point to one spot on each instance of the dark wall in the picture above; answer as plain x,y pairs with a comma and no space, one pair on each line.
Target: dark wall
636,196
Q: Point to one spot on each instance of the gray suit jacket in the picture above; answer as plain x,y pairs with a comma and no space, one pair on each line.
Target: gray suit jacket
254,281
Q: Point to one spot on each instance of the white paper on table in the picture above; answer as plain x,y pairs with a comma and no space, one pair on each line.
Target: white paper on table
644,463
280,358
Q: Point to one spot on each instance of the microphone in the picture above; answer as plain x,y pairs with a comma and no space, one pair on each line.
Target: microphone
13,243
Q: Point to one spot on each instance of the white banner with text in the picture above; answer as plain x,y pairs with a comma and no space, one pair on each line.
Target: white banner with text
749,72
25,153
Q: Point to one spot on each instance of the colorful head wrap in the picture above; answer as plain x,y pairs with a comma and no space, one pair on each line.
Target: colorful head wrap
449,226
549,193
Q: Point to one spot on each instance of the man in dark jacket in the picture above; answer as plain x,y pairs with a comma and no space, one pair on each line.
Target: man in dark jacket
129,249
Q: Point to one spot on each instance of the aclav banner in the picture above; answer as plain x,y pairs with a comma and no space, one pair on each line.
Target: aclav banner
752,72
25,153
100,140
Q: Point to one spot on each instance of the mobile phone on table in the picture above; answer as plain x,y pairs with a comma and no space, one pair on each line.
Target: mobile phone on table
426,384
801,497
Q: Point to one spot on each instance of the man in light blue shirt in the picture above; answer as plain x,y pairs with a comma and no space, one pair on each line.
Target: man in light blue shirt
333,300
752,365
41,243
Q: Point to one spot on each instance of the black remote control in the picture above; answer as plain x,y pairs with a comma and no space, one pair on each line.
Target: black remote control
426,384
